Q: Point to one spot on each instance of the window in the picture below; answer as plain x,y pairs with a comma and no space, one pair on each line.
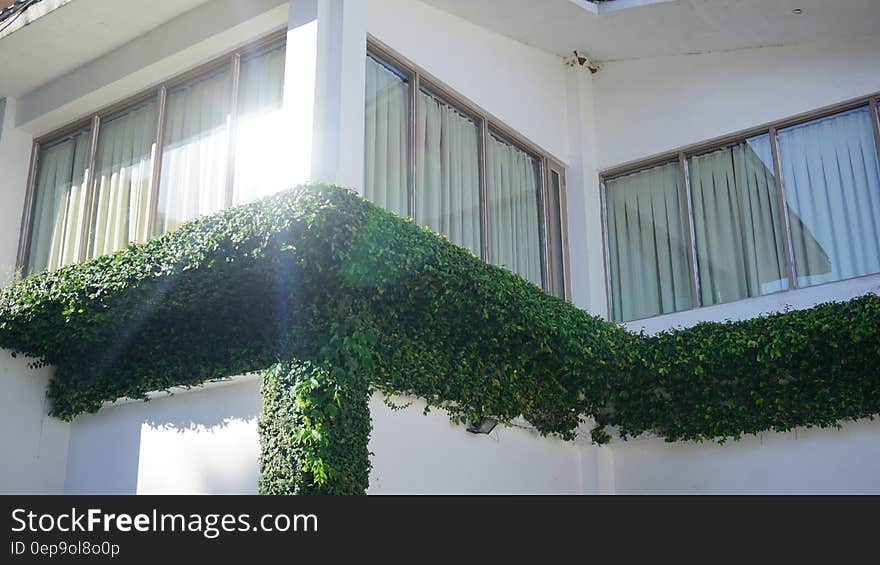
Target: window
123,175
190,147
647,243
832,184
60,203
514,200
434,157
448,174
195,148
737,224
794,205
387,144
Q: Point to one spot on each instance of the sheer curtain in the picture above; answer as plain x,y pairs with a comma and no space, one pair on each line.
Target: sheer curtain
513,210
260,143
646,244
386,138
832,184
123,166
194,154
60,202
448,181
740,250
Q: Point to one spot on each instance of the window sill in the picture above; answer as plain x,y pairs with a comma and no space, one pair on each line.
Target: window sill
747,308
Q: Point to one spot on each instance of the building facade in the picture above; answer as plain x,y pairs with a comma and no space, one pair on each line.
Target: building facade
657,163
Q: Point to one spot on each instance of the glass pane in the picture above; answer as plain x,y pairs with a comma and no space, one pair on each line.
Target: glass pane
386,163
554,217
59,206
832,185
123,167
260,145
514,210
647,249
194,150
448,195
738,233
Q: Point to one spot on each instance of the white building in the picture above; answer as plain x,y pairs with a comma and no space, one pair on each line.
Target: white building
668,162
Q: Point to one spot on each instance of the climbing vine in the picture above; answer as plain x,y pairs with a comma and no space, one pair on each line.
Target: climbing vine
332,297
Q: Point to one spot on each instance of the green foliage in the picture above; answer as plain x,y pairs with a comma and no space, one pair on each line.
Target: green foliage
314,432
337,295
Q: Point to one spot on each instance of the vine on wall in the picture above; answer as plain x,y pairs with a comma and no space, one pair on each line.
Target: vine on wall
337,297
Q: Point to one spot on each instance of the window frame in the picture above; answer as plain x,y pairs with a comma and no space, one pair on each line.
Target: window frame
682,154
158,91
418,79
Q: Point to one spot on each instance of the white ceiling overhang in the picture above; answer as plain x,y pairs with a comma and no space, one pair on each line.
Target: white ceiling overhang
54,37
627,29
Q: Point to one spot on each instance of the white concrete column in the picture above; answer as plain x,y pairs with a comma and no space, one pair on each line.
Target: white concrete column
324,90
582,192
15,153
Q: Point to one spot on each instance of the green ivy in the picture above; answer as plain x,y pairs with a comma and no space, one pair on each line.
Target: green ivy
314,432
337,297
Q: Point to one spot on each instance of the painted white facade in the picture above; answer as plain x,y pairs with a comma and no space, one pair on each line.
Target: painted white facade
205,440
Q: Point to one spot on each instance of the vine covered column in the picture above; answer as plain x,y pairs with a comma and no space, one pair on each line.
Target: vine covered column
314,431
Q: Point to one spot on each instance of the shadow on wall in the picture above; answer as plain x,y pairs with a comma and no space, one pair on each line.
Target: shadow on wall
196,441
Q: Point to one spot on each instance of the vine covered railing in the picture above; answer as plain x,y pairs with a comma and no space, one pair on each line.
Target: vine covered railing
332,297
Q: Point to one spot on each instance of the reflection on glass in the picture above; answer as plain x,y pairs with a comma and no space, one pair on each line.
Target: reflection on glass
194,151
261,150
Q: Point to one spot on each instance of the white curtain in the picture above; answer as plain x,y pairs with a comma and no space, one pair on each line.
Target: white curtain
647,249
832,183
194,153
260,140
740,250
123,167
513,210
448,180
386,138
60,203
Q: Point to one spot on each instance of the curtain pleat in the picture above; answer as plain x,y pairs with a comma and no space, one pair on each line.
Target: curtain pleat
832,184
59,203
123,167
386,139
194,155
514,210
448,176
738,234
261,145
646,243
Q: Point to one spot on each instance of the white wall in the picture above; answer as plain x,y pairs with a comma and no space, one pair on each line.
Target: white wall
417,454
653,105
205,441
33,445
15,153
813,461
198,441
